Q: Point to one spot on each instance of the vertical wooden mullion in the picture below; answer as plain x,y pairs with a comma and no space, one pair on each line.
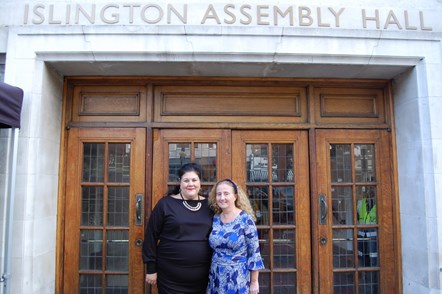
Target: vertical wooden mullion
105,197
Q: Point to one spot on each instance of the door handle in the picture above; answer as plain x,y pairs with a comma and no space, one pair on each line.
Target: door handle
138,209
323,209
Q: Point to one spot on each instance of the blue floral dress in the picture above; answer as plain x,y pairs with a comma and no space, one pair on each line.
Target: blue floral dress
236,253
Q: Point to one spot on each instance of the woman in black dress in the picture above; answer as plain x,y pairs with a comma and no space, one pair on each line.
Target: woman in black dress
176,249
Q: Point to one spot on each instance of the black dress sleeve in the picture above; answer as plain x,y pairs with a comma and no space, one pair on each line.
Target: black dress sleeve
151,237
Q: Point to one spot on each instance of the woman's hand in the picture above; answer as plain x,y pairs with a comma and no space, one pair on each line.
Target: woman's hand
151,279
254,287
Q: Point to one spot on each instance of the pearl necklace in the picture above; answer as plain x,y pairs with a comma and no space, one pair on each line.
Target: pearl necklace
190,207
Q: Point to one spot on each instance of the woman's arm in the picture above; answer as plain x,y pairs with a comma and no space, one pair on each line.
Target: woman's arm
151,237
254,284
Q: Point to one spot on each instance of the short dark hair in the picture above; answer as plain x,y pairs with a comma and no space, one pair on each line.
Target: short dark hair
190,167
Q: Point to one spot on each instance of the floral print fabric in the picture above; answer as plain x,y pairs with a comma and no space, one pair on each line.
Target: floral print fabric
236,253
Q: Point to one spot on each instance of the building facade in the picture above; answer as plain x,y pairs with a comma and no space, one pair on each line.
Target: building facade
327,113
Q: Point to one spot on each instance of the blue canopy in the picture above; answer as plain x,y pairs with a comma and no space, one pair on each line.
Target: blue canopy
11,99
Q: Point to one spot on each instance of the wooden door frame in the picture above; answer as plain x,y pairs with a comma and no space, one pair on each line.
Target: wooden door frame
72,198
387,242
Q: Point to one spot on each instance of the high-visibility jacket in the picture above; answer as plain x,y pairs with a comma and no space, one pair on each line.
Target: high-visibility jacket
365,216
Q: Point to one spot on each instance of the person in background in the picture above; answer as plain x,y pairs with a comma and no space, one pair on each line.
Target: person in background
236,258
175,248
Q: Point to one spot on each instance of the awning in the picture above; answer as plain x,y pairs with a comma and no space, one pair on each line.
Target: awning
11,99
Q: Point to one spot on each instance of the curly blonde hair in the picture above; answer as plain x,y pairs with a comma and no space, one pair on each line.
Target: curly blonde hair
242,200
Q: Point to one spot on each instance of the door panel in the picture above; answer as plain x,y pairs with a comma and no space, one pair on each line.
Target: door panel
172,148
355,225
104,198
273,166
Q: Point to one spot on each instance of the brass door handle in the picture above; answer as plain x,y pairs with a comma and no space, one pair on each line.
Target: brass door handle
139,209
323,209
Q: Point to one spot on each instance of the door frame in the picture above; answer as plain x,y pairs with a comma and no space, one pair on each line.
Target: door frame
388,247
77,137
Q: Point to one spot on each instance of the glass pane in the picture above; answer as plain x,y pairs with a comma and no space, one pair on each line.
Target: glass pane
366,204
283,205
91,284
259,198
342,206
340,161
118,207
264,246
119,163
205,156
284,248
117,251
117,284
264,282
343,252
365,165
179,154
93,163
368,247
369,282
257,162
284,283
92,206
282,158
343,283
91,246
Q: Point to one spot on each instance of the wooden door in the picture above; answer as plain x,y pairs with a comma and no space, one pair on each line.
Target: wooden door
279,191
274,168
104,223
354,209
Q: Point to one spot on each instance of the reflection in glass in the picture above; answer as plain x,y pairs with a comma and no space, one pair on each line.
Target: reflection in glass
354,202
264,246
342,206
264,282
205,156
284,248
117,284
119,163
343,252
369,282
117,251
92,206
365,164
283,205
257,163
118,207
368,247
90,284
344,283
366,204
259,198
93,163
179,154
282,157
91,246
340,162
284,283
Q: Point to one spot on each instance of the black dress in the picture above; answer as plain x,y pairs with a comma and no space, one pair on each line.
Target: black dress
182,257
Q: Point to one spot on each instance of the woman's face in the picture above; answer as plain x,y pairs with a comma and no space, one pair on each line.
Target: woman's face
190,185
225,196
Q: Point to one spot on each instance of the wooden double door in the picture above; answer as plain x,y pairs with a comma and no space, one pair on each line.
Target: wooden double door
323,200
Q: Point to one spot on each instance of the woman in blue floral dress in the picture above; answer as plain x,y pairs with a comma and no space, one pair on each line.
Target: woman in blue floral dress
236,259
